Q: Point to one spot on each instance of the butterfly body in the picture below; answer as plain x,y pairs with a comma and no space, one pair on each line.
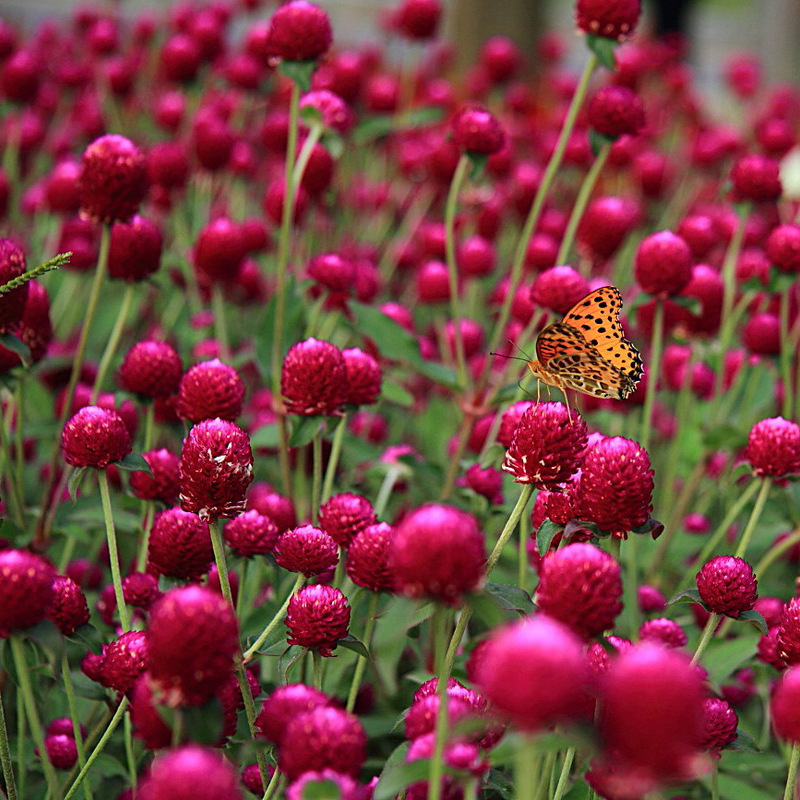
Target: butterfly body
587,350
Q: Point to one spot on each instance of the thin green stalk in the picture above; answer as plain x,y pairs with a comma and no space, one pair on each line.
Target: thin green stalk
776,551
791,775
527,769
276,620
130,758
547,777
508,529
761,500
113,339
785,358
19,441
366,638
581,201
653,370
522,552
24,678
708,633
630,598
22,739
240,601
274,785
76,725
316,475
316,663
393,474
454,463
333,461
147,522
113,554
561,787
15,502
99,747
436,770
5,755
220,326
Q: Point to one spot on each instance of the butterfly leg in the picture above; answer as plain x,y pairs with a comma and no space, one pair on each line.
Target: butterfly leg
566,403
538,391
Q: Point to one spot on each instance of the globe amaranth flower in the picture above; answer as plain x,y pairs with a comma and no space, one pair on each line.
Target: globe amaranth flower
477,131
251,534
616,111
486,482
463,759
314,378
663,264
559,288
35,329
134,251
509,421
220,251
263,498
784,706
773,448
317,617
210,389
534,673
616,485
346,787
438,552
307,550
783,248
162,483
368,556
283,705
663,631
191,772
610,19
192,639
580,586
756,178
26,590
12,265
547,448
68,609
113,179
345,515
216,468
299,31
179,545
417,19
151,369
364,377
789,633
727,585
322,738
720,723
62,750
124,660
95,437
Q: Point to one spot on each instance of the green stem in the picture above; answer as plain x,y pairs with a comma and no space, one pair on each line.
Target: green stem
316,662
527,769
15,502
220,326
73,713
708,632
508,529
776,551
761,500
584,193
791,776
273,785
454,462
569,756
316,475
99,747
130,758
18,470
333,461
393,474
113,340
436,770
630,599
361,666
147,522
24,678
786,356
5,755
522,553
276,620
653,369
22,739
113,554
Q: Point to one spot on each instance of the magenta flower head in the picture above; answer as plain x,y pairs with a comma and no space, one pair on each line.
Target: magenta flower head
314,378
559,288
95,437
720,723
346,515
113,179
610,19
179,545
663,264
151,369
581,586
783,248
69,609
727,585
62,750
663,631
283,705
368,556
773,448
162,482
784,706
756,178
364,377
12,265
335,112
322,738
616,485
788,635
346,787
299,31
220,251
307,550
534,673
547,448
216,469
418,19
251,534
478,132
135,249
317,617
438,552
191,772
615,111
124,660
210,389
192,638
26,590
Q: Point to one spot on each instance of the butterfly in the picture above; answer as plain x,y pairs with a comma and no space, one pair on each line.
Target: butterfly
587,351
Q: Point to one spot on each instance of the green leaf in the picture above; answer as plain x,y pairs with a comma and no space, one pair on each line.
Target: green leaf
478,163
597,141
75,480
372,128
47,636
732,788
321,790
604,50
756,620
745,742
395,393
497,782
512,598
298,71
687,596
545,535
265,437
304,429
692,304
312,116
356,645
205,722
393,780
724,437
438,373
652,526
722,659
393,340
492,456
16,345
133,462
780,281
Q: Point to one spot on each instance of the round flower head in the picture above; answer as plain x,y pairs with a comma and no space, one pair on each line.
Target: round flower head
220,251
501,58
68,609
756,178
346,787
95,437
789,632
113,179
264,499
179,545
605,225
162,483
322,738
559,288
148,726
26,590
417,19
438,552
783,248
135,249
509,421
478,132
34,329
616,485
283,705
151,369
210,389
364,377
124,660
663,631
650,598
345,515
62,750
784,706
12,265
773,448
191,772
299,31
368,558
663,264
251,534
307,550
192,639
140,589
314,378
581,586
615,111
216,469
335,112
720,723
611,19
317,617
332,271
534,673
547,448
727,585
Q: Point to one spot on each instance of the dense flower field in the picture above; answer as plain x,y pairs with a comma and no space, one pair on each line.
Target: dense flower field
291,502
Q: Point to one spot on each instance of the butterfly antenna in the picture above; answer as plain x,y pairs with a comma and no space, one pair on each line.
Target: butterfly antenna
515,358
514,344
